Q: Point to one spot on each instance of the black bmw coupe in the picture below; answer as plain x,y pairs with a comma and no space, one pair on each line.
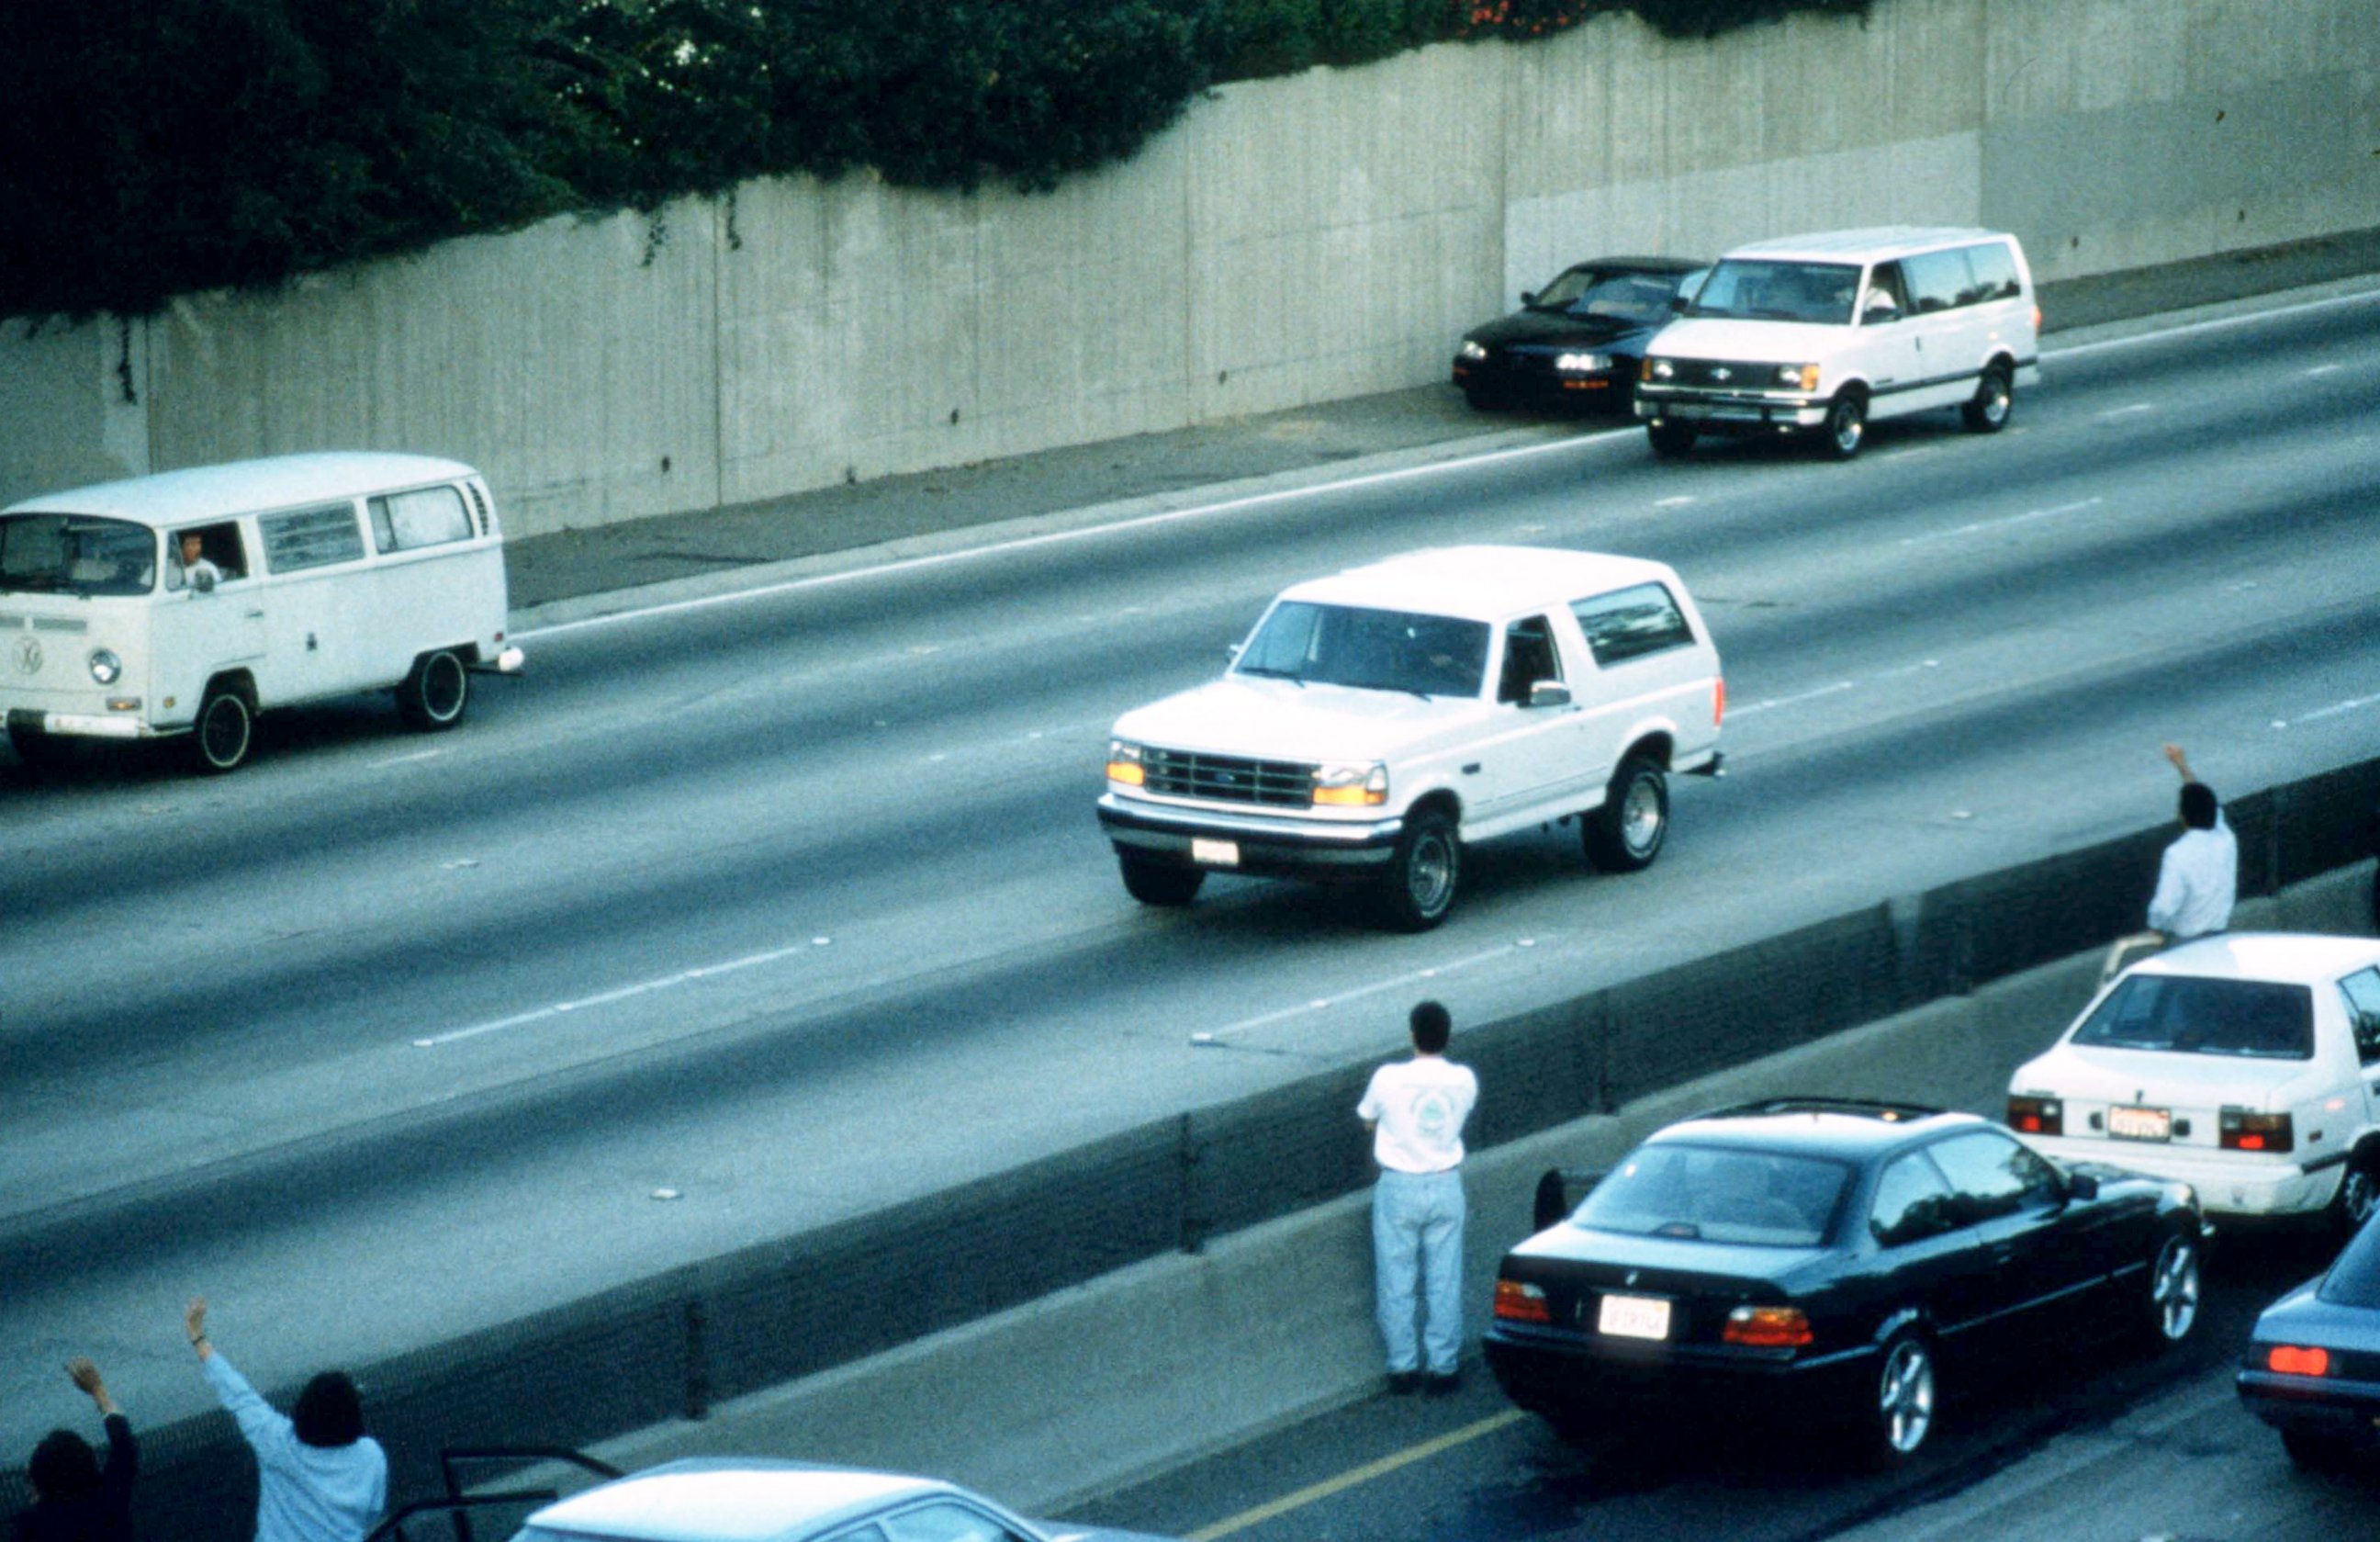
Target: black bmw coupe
1579,340
1827,1261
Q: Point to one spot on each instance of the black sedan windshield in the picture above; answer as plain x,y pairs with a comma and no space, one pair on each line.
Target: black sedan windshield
2185,1015
1717,1195
1624,295
1381,650
76,553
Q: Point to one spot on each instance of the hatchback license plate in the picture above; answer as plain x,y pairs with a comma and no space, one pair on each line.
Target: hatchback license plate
2139,1124
1223,854
1633,1317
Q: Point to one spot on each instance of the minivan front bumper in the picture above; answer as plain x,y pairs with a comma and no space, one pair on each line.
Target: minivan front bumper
1730,413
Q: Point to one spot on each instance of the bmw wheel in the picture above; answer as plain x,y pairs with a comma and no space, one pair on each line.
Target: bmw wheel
1901,1413
2172,1305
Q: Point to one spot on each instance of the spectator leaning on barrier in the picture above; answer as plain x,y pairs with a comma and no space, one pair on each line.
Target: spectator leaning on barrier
2200,876
320,1478
1415,1108
75,1499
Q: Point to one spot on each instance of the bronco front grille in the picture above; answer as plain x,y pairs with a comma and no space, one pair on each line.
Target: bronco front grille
1228,778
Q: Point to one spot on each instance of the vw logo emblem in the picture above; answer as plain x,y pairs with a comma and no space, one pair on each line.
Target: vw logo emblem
29,655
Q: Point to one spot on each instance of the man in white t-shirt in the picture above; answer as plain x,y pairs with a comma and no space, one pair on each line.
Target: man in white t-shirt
2199,878
1415,1108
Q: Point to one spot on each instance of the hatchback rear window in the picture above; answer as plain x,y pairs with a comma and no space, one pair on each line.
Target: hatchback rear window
2183,1015
1717,1195
2354,1279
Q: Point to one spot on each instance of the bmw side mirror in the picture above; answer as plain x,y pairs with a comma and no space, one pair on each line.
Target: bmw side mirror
2081,1186
1678,303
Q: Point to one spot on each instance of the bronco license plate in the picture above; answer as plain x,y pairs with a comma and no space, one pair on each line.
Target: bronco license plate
1221,854
2139,1124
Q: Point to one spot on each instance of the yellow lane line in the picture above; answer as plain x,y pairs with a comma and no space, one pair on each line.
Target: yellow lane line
1349,1479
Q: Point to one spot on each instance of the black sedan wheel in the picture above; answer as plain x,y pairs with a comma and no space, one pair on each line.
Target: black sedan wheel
2317,1453
1903,1412
1670,440
2172,1305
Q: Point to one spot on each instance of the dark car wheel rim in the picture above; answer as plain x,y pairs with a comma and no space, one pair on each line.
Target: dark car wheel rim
2173,1293
2357,1192
1905,1396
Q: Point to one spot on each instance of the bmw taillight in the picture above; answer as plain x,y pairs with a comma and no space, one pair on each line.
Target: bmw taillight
1768,1327
2240,1131
2037,1116
1519,1302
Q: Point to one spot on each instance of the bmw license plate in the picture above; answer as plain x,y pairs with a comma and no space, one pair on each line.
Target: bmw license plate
1633,1317
2139,1124
1219,854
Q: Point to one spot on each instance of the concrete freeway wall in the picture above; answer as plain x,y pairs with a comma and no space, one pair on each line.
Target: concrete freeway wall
1290,241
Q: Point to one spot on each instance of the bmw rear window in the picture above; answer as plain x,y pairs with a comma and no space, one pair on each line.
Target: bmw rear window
1716,1194
2185,1015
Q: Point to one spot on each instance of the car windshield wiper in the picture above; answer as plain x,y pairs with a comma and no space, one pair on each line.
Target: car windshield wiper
1260,671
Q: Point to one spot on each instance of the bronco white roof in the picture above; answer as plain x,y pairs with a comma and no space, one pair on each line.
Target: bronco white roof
1482,583
1876,243
203,492
2291,958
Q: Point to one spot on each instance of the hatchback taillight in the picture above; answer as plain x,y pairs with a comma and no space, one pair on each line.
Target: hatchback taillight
2037,1116
2242,1131
1518,1302
1768,1327
2292,1360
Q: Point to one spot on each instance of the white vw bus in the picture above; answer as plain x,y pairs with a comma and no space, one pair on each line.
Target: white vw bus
187,601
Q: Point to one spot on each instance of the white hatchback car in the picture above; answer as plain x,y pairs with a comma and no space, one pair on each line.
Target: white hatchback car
2246,1064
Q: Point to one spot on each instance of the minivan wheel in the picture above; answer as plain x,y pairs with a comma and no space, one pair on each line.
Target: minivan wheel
435,693
1988,412
222,733
1900,1411
1846,425
1422,881
1670,440
1153,882
1627,833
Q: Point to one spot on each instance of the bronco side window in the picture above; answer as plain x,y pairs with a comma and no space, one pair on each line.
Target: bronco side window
1529,657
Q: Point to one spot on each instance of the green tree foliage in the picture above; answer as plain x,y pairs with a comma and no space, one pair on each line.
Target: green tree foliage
152,147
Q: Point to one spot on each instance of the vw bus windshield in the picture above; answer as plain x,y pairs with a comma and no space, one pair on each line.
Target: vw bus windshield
76,553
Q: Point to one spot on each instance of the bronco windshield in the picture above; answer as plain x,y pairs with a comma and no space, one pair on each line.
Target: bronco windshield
1713,1193
1375,650
76,553
1765,291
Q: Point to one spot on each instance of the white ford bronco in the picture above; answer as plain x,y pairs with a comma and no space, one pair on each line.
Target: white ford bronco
1377,720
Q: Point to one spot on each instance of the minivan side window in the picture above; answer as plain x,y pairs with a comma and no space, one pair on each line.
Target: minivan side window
1995,271
310,537
430,516
1937,280
1632,622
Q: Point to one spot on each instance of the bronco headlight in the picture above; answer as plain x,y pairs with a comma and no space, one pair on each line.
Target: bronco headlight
1123,763
1471,350
106,667
1582,363
1364,785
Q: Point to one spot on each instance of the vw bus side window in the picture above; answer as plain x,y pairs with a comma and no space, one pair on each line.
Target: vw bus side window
431,516
76,553
310,537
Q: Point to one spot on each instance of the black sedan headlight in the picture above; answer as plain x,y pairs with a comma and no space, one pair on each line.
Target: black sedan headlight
1471,351
1582,363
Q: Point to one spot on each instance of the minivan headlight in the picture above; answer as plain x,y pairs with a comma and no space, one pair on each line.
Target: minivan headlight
1361,786
1798,377
1657,369
106,667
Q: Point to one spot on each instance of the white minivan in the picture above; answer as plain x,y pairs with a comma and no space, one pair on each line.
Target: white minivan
1820,335
185,603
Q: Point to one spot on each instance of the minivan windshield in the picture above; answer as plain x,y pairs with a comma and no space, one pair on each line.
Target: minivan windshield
1379,650
76,553
1762,290
2187,1014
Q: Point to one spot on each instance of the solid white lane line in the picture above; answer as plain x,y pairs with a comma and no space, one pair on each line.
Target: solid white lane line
2335,709
622,993
2126,410
1840,686
1982,525
2219,324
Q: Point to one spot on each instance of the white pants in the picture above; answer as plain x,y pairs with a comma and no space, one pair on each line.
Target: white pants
1418,1238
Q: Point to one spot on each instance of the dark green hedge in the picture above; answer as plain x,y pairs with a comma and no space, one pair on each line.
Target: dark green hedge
152,147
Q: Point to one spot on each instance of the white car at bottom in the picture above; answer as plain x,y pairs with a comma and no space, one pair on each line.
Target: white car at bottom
2246,1064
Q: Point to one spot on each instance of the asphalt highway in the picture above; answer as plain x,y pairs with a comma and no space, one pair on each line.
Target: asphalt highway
791,905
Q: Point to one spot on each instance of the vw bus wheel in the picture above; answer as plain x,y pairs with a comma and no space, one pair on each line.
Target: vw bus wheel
434,694
222,735
1626,833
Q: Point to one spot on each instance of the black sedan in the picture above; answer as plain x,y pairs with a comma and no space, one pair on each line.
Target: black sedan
1579,340
2313,1366
1825,1260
